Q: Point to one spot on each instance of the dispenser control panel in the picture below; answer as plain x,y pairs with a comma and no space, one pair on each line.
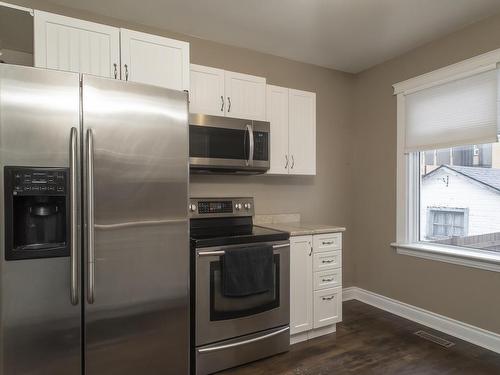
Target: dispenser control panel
34,181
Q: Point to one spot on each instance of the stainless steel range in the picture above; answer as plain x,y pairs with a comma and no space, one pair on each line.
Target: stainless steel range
238,315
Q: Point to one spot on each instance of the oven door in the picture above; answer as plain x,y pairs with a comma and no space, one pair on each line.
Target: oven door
219,317
221,143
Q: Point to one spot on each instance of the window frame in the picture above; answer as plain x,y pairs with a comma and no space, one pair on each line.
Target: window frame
408,174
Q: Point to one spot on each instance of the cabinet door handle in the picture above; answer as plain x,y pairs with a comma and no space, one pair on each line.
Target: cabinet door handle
327,298
229,104
311,251
126,72
222,103
286,161
293,162
327,261
327,279
328,242
116,70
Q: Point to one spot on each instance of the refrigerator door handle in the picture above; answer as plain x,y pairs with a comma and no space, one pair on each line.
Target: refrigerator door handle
74,216
90,217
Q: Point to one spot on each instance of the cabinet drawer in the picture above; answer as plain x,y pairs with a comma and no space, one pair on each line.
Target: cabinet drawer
327,261
327,242
327,307
328,279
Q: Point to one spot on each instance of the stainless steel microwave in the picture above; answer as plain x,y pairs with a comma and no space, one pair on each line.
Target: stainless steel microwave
228,145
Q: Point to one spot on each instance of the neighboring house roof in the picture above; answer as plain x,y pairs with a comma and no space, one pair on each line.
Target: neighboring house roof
486,176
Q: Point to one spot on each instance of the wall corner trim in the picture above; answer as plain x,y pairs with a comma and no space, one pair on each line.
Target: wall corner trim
475,335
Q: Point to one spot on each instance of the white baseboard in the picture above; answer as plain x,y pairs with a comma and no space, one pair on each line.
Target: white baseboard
475,335
349,293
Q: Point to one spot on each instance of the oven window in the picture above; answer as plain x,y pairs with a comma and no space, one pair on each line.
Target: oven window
210,142
223,308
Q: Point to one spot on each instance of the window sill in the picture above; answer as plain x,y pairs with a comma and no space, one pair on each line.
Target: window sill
451,254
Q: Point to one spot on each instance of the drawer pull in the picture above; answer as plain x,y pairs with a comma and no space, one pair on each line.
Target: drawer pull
328,279
327,298
328,261
328,242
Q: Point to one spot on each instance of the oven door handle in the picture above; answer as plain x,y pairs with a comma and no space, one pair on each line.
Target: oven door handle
245,342
222,252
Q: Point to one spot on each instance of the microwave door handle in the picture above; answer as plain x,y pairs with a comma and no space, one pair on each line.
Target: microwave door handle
249,128
73,165
90,218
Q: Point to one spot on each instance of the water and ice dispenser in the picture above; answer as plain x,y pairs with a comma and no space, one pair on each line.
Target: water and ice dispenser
36,212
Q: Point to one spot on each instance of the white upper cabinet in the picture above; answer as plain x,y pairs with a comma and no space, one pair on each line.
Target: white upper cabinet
223,93
277,115
245,95
154,60
74,45
302,132
207,90
292,114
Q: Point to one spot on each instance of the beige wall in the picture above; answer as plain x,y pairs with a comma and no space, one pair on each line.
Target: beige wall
356,153
466,294
322,198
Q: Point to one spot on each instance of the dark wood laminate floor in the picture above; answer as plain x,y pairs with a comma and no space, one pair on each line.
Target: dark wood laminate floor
372,341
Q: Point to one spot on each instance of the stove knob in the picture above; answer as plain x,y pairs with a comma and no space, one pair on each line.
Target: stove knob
248,206
192,207
237,206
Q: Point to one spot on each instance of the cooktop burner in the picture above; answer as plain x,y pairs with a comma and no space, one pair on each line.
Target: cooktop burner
227,221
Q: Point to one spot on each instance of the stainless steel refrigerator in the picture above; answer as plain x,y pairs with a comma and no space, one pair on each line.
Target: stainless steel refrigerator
94,248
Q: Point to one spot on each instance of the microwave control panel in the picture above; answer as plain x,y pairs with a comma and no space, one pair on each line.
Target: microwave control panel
261,146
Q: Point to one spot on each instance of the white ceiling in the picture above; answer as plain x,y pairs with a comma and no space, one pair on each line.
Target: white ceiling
349,35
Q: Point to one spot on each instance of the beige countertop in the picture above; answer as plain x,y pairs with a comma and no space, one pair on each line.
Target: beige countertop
303,229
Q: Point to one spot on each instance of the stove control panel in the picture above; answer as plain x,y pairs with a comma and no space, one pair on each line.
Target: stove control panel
220,207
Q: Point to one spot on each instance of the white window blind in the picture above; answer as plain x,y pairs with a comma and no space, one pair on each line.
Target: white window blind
455,113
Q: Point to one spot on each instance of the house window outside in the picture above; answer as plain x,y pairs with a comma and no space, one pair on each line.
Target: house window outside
459,199
445,223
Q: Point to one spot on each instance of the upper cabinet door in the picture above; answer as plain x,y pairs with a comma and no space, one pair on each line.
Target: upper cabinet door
154,60
302,132
74,45
277,115
245,96
206,94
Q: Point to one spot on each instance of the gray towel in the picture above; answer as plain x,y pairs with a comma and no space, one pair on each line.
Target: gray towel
247,271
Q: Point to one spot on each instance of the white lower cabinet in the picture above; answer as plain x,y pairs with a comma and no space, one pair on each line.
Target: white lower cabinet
327,279
327,261
301,299
327,307
315,285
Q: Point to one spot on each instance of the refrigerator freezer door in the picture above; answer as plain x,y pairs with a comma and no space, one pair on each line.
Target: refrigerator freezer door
137,273
40,328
